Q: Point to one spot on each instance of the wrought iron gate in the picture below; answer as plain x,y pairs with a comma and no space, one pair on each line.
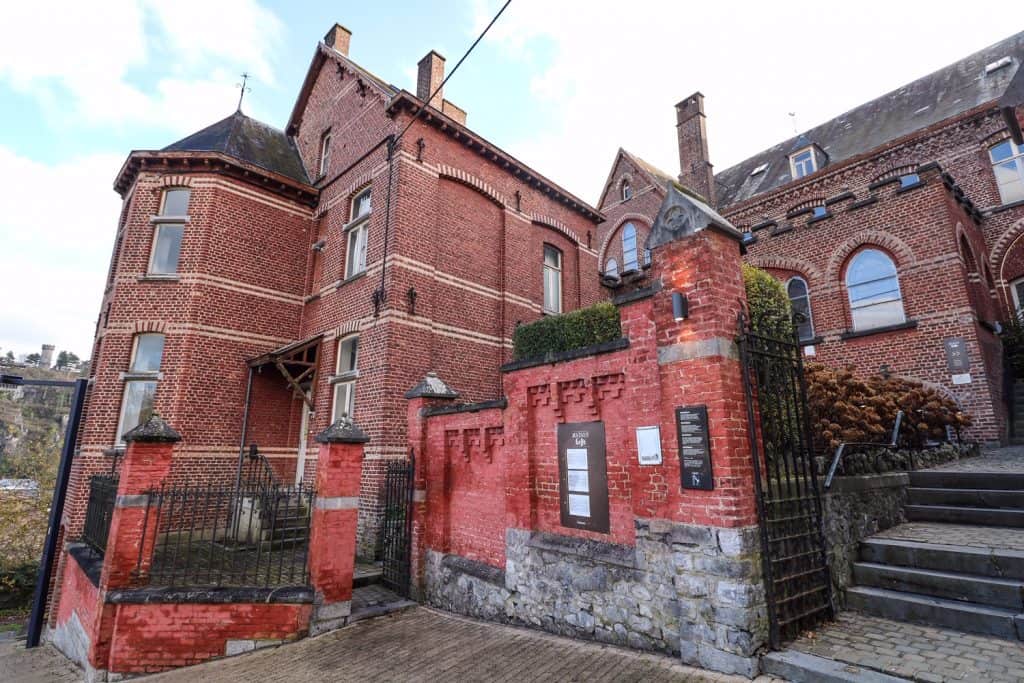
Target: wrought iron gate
396,533
796,573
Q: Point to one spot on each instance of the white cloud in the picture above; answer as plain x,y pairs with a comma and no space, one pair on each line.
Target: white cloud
151,62
57,228
616,70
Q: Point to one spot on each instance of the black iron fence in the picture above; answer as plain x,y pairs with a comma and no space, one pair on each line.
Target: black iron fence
99,512
396,533
252,535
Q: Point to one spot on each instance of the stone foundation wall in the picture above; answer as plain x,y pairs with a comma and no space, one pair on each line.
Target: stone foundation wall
691,591
855,508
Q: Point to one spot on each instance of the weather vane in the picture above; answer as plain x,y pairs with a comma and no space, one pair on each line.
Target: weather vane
243,88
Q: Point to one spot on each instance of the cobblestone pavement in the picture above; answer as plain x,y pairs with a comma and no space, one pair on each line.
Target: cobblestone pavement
1008,459
38,665
922,653
1005,538
426,645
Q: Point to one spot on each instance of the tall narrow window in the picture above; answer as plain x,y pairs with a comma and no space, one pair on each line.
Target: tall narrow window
874,291
801,302
802,163
169,231
346,371
552,280
140,382
325,153
629,253
611,268
1017,292
1008,166
627,191
358,233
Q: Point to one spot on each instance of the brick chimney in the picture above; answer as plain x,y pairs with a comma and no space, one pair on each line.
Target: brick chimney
338,38
431,74
695,170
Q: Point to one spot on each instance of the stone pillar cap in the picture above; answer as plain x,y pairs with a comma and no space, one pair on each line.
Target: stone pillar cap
344,430
431,386
682,214
153,430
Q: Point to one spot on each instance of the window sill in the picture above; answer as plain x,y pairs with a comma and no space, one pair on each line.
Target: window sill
908,325
168,219
1006,207
816,219
356,222
350,278
813,341
145,376
907,188
861,203
349,376
159,277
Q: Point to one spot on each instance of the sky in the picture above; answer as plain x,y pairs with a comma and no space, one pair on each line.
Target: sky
559,84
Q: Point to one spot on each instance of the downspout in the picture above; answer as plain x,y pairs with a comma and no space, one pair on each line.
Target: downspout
245,432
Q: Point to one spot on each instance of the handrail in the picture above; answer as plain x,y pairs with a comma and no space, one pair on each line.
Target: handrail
842,448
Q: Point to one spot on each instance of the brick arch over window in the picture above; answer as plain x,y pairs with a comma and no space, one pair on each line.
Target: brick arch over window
1002,246
806,270
897,248
175,181
625,179
556,225
638,219
472,182
144,326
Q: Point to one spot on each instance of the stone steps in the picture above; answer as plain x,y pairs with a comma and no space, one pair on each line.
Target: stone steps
986,562
801,667
983,590
952,514
923,609
979,498
952,479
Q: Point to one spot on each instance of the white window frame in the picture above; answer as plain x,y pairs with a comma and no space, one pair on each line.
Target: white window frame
325,153
611,267
344,379
557,269
1017,158
807,296
854,307
799,169
626,260
163,221
135,377
1017,303
627,190
358,235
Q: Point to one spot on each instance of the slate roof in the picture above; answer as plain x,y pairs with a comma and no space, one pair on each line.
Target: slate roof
248,140
950,91
650,168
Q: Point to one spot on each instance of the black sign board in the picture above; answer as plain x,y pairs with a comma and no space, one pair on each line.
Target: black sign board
583,476
694,447
957,358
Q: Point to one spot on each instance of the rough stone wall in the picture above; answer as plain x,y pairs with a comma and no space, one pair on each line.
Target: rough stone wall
685,590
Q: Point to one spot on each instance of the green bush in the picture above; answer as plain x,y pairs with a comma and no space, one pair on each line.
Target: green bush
17,586
578,329
768,303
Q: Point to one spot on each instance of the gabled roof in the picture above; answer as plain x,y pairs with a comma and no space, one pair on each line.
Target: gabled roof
655,176
248,140
948,92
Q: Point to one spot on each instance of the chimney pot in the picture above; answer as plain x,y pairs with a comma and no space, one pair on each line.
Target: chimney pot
338,38
431,73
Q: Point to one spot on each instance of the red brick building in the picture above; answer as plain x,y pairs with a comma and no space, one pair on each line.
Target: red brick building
265,282
895,226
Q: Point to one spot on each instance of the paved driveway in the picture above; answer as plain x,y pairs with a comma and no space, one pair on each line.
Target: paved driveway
426,645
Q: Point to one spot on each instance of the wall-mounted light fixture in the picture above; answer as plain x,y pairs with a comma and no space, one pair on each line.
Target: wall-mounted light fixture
680,306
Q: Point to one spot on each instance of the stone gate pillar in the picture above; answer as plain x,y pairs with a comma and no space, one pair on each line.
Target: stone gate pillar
332,540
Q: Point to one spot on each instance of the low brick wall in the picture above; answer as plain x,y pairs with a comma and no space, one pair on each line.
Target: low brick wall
686,590
855,508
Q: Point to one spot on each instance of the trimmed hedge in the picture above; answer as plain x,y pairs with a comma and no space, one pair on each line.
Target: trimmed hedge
768,303
554,333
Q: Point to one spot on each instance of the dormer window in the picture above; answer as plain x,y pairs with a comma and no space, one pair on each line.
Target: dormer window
802,163
627,191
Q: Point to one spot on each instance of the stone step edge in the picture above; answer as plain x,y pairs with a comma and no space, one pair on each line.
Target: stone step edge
1013,584
911,490
802,667
951,479
941,513
992,554
859,597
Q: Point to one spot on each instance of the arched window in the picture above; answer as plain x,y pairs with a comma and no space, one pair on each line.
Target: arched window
1008,166
611,268
800,300
627,190
874,290
552,279
629,256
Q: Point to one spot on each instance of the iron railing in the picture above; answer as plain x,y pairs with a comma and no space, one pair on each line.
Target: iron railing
99,512
846,445
253,535
396,532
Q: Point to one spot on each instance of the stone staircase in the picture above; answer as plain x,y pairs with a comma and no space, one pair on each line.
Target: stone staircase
957,582
1018,412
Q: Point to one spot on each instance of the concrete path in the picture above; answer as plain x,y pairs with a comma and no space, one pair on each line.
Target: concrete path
38,665
1009,459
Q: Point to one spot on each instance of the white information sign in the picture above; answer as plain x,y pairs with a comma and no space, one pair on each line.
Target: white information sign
576,458
648,445
579,480
579,506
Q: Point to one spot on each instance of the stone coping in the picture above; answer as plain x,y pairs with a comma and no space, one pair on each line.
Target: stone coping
562,356
864,482
210,596
637,294
90,561
598,551
480,570
500,403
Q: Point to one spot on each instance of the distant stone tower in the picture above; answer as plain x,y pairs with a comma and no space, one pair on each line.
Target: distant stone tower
46,359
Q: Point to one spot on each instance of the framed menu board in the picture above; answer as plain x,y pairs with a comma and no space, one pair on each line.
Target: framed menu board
583,476
694,447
